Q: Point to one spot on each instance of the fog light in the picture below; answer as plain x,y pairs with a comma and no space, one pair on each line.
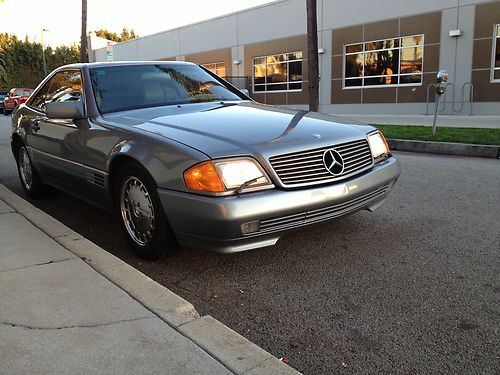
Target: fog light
250,227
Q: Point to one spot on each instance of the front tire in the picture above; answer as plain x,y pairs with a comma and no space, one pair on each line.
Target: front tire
30,180
140,212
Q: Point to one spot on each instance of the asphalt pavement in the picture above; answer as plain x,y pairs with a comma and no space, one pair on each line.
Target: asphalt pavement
412,288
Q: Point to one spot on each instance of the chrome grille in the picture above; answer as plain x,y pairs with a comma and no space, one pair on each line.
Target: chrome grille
320,214
307,168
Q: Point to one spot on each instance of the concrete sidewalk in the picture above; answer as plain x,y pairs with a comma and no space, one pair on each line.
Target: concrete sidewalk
486,122
68,306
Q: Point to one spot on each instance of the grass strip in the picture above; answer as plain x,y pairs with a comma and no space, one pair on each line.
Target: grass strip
443,134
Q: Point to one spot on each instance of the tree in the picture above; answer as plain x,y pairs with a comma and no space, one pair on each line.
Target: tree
312,55
83,38
21,62
126,34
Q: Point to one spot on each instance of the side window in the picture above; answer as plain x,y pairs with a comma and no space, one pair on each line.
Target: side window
39,100
62,87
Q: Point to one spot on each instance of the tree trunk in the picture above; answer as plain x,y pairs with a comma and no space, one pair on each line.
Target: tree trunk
83,39
312,56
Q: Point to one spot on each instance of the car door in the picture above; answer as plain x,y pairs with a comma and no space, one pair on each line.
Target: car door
56,144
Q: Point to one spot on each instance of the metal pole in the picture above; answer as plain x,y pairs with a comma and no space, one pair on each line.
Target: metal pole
435,114
312,55
43,54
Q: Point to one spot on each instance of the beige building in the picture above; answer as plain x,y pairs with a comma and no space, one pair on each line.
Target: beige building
375,57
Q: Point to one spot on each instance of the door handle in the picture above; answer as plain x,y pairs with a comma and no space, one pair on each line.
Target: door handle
35,125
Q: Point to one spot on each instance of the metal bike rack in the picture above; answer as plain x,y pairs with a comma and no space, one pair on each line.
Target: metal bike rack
444,103
471,98
427,100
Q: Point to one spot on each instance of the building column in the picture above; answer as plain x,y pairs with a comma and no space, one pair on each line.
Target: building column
325,68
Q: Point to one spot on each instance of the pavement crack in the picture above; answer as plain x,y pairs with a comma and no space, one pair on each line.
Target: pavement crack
38,264
17,325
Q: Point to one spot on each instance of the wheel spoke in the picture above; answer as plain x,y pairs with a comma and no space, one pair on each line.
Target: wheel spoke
137,211
25,169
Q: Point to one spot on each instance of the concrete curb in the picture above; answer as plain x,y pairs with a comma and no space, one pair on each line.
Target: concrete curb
232,350
445,148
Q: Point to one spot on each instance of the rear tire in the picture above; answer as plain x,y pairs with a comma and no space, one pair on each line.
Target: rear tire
30,180
140,212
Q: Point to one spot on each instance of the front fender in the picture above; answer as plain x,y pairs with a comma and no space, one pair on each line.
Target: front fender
164,161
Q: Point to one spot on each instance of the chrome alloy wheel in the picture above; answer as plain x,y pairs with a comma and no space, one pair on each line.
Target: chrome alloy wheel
25,168
137,211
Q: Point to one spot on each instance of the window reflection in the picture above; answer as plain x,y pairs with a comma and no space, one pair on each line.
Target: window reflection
411,60
497,57
381,63
354,48
410,41
217,68
259,73
281,72
354,65
384,62
277,73
62,87
382,44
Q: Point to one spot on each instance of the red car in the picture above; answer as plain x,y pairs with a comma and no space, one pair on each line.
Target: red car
16,97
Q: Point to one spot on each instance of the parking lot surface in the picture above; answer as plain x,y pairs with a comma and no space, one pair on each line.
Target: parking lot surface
412,288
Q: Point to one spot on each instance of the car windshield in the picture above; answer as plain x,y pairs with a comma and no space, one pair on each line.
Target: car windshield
23,92
118,88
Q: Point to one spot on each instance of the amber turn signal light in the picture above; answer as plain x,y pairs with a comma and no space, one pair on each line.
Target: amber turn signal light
204,177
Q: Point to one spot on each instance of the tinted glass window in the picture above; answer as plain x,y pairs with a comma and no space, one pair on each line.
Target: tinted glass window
119,88
281,72
63,87
40,99
496,55
217,68
396,61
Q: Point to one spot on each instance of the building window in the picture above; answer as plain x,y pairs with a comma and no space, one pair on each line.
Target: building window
384,63
495,72
281,72
217,68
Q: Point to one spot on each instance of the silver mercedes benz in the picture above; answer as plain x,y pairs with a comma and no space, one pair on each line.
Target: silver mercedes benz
185,158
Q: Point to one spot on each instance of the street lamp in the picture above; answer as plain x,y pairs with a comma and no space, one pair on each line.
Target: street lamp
43,52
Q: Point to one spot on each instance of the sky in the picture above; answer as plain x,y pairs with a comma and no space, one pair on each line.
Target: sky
62,18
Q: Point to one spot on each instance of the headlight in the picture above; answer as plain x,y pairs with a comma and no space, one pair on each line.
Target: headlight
378,145
226,175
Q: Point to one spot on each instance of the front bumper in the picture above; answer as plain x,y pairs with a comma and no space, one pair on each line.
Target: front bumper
215,222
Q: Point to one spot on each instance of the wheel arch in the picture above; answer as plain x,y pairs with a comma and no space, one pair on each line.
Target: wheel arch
15,144
115,165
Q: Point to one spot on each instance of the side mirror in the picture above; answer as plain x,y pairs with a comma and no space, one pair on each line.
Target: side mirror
245,91
65,110
442,76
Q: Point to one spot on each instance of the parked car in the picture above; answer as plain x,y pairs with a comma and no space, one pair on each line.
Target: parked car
2,97
182,156
17,96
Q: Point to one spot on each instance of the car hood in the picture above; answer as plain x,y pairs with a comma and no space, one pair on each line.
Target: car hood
242,128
